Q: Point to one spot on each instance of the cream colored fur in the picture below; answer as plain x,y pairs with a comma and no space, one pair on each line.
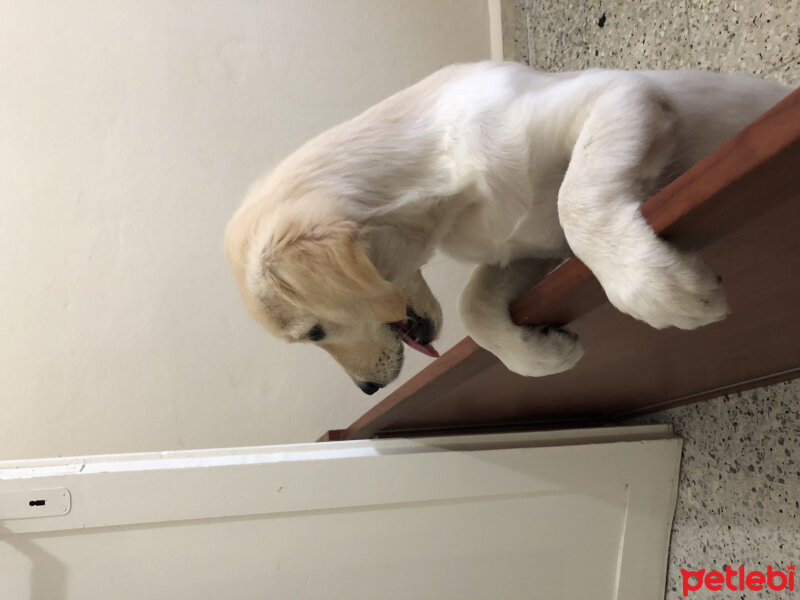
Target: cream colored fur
496,164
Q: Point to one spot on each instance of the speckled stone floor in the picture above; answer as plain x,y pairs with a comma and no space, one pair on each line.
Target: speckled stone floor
739,491
761,37
739,494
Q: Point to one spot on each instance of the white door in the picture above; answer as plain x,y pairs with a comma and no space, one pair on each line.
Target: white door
557,515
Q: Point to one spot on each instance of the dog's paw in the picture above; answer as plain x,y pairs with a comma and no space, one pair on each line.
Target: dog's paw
539,351
685,293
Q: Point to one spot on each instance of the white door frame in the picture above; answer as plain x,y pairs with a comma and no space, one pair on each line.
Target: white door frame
142,490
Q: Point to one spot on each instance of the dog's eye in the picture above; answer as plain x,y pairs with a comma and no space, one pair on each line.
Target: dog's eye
316,333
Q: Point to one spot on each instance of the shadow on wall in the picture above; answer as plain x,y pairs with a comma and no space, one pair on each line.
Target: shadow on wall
48,575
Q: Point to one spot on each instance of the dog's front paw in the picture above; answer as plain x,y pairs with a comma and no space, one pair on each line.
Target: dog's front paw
539,351
685,293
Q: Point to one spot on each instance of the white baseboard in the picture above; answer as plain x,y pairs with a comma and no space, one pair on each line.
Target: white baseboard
496,29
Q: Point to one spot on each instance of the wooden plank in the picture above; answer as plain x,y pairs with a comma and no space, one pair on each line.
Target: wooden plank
744,195
333,435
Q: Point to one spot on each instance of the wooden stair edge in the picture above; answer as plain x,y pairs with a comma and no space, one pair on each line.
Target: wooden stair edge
571,290
732,388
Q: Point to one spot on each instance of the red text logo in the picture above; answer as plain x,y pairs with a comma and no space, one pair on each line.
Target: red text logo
738,580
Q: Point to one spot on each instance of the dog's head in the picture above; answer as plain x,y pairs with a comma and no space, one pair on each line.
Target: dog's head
305,276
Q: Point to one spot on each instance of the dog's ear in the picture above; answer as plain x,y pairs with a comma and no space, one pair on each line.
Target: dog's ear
324,269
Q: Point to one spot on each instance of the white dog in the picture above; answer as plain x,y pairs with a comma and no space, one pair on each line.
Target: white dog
496,164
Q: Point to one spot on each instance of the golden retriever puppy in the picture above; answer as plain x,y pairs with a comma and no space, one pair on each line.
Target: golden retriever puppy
496,164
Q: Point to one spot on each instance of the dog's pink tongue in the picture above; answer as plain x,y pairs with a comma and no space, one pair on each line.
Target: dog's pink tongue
401,328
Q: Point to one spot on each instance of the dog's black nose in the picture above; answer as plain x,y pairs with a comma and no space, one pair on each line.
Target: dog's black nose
369,387
420,328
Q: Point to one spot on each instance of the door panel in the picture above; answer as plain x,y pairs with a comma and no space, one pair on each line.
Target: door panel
522,516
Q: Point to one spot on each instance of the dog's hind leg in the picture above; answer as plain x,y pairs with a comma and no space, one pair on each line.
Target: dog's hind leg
532,351
625,145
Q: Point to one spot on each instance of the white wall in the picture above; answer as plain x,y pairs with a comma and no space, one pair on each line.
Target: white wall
128,133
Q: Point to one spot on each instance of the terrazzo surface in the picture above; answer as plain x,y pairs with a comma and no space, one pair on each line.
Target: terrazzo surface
756,37
739,492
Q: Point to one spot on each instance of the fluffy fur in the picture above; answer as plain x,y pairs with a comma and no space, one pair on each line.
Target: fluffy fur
496,164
